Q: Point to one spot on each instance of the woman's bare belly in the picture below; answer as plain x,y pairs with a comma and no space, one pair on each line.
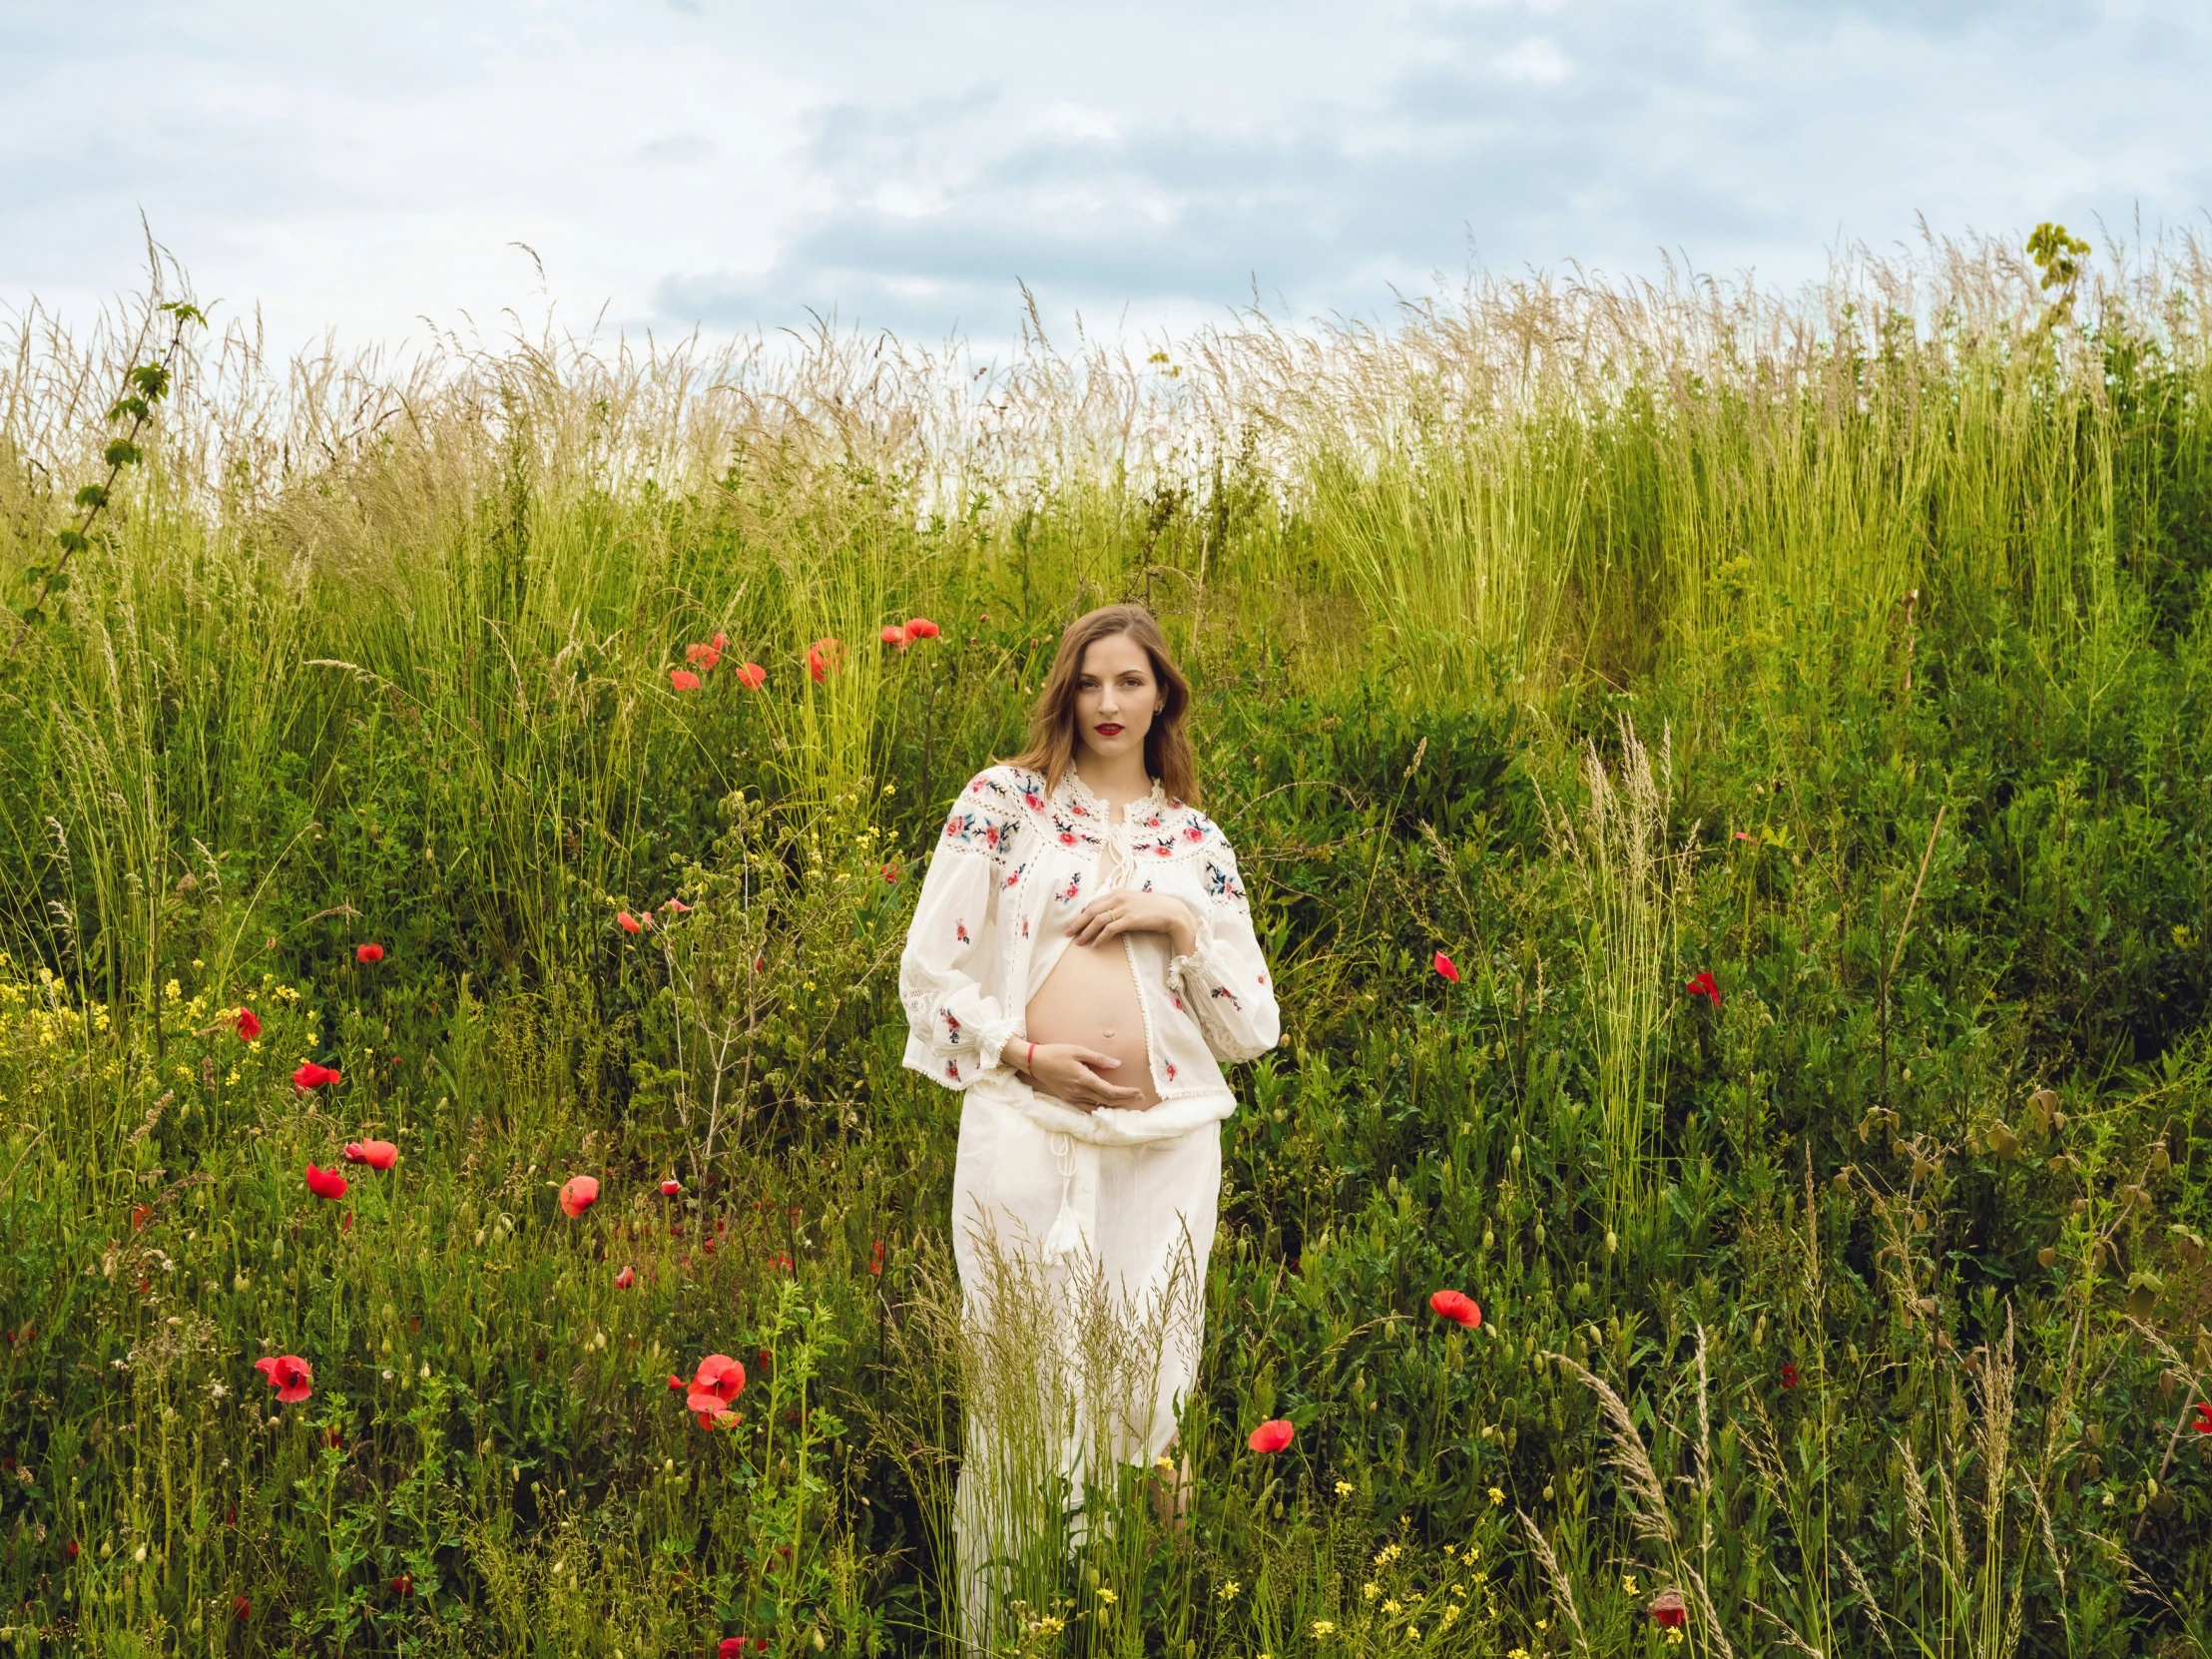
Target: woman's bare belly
1090,998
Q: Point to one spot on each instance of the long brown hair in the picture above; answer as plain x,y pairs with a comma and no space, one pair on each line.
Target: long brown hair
1167,749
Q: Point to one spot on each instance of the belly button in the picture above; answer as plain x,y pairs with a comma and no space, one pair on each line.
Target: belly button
1109,1034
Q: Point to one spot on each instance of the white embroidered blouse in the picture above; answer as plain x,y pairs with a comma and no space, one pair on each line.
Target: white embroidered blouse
1011,869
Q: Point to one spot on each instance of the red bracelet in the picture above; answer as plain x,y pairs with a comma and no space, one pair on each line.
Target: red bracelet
1029,1060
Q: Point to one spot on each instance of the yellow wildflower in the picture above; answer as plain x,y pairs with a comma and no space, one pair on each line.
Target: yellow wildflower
1628,1582
1496,1497
1227,1591
1322,1627
1343,1489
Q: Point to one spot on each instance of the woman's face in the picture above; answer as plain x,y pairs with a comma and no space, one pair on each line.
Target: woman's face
1116,697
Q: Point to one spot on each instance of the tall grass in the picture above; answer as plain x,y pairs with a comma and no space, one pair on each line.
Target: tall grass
1791,1304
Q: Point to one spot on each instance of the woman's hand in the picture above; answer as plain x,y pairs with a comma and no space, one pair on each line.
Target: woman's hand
1128,910
1069,1073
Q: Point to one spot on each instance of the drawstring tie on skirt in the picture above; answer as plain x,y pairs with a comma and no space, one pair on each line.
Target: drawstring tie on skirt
1067,1235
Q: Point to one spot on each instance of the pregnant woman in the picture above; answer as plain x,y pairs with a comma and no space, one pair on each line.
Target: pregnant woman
1081,963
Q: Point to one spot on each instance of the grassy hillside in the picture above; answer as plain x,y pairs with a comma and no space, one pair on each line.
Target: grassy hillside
1853,649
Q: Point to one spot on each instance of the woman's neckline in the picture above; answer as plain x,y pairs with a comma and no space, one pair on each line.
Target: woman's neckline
1071,782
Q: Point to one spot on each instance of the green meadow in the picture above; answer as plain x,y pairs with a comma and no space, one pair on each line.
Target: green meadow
1789,715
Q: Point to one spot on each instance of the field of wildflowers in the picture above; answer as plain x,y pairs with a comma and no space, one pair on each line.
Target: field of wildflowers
1725,784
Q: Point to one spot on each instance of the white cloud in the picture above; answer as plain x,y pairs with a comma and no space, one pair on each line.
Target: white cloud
1537,61
737,163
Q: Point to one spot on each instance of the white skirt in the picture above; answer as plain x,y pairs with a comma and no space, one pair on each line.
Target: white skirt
1081,1242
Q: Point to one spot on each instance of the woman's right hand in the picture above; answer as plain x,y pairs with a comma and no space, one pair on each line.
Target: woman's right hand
1070,1073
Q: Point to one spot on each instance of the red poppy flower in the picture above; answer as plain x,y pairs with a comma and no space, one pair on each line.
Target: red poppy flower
676,906
325,1183
1443,965
730,1647
74,1547
668,1189
1789,1377
628,922
242,1608
1705,986
893,634
311,1076
875,1259
368,953
2203,1424
249,1027
921,628
376,1154
825,657
626,1277
138,1216
752,677
891,871
720,1376
1456,1306
1668,1611
578,1194
780,1261
1743,835
403,1585
1272,1435
292,1377
683,679
706,655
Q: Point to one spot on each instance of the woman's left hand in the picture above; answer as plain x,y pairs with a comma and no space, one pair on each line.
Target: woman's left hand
1128,910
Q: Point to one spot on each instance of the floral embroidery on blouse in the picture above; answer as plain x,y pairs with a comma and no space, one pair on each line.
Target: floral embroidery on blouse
1071,842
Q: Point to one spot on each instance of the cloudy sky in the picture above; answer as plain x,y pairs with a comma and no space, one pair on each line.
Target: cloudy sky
735,165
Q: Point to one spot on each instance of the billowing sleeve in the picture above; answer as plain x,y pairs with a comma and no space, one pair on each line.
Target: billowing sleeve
954,1028
1225,978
